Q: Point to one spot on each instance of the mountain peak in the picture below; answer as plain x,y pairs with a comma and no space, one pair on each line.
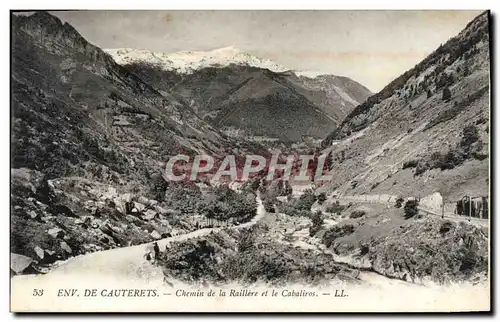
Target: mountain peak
43,17
186,62
40,20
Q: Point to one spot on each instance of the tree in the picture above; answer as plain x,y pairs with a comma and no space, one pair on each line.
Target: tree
328,162
306,201
411,208
429,93
446,94
470,134
288,190
466,71
317,222
269,205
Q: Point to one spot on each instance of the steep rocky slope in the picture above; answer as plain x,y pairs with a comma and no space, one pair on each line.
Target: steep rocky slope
89,143
337,96
425,132
420,250
255,99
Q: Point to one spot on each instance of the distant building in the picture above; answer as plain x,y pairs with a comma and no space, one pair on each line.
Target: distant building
473,207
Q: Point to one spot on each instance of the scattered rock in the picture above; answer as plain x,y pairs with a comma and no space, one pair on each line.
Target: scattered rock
33,214
131,218
66,247
150,215
162,210
121,202
20,263
56,233
139,206
155,234
39,252
95,223
143,200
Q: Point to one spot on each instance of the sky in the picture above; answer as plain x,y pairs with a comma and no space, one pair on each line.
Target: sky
371,47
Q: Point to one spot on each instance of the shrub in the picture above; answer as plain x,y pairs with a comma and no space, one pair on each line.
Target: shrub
290,210
445,227
336,208
470,135
246,242
446,94
421,168
411,208
306,201
269,205
317,220
410,164
158,187
321,198
357,214
251,185
336,232
399,202
223,204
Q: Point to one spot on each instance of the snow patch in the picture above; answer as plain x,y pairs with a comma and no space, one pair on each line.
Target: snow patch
186,62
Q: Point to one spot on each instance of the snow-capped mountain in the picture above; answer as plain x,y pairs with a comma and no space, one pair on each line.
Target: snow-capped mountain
236,84
188,61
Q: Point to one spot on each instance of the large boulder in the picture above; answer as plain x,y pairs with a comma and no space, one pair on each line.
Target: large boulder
39,252
143,200
66,247
139,206
34,215
25,181
150,215
155,234
121,202
162,210
20,264
56,232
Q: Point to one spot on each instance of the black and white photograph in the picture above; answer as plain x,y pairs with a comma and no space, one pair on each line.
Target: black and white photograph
250,160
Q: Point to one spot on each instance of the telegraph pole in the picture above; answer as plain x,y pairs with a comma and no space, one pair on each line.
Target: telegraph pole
470,207
442,209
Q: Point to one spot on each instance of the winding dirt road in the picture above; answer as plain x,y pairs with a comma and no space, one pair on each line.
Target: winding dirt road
129,263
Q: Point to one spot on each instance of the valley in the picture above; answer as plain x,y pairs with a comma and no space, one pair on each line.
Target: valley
95,133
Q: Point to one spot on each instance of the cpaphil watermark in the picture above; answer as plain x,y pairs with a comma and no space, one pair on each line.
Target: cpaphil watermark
300,167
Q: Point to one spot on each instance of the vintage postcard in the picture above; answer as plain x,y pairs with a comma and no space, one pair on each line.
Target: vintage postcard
250,161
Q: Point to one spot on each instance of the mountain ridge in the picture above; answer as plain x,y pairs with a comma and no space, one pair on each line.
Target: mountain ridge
325,100
186,62
427,131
